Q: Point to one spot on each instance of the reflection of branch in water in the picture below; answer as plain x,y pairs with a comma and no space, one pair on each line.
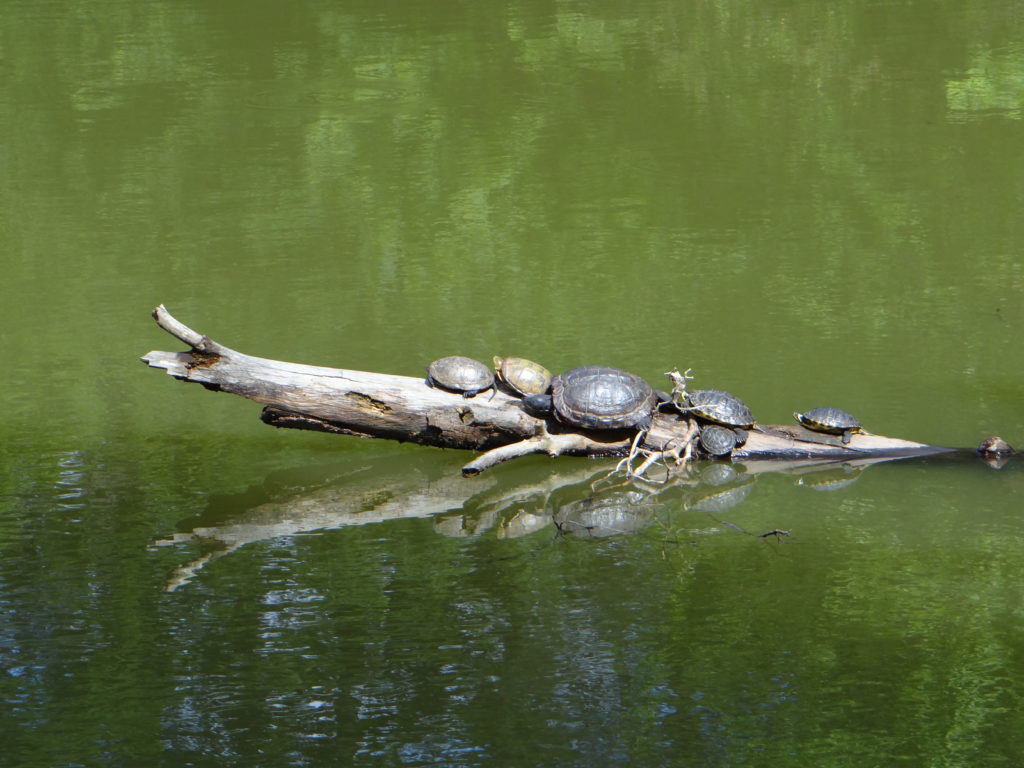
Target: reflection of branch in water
776,533
580,502
184,575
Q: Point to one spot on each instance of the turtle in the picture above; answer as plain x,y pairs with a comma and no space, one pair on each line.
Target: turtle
995,446
597,397
716,440
523,376
833,421
722,408
460,374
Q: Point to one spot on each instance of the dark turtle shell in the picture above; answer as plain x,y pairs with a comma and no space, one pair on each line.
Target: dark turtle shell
523,376
831,420
460,374
719,407
599,397
717,441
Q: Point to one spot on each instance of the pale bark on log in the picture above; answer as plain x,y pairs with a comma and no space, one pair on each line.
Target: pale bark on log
405,408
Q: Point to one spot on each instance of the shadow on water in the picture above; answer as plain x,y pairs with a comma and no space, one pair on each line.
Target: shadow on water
581,499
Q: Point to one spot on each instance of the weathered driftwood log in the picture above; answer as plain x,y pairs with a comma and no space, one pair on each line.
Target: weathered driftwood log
404,408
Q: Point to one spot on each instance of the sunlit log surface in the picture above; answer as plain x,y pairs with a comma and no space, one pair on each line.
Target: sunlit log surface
404,408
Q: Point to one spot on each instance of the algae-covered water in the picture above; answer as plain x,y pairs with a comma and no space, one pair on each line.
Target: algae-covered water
807,204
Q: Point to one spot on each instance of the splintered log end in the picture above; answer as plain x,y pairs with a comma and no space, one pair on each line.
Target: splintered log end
175,363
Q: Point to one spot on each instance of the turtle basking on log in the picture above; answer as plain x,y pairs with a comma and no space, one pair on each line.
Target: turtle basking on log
831,421
612,415
722,408
522,376
597,397
717,441
460,374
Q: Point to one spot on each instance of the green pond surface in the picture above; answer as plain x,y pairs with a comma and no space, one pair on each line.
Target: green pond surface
807,203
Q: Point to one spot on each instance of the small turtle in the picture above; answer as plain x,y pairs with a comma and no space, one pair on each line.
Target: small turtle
460,374
716,440
995,446
721,408
523,376
832,421
597,397
995,451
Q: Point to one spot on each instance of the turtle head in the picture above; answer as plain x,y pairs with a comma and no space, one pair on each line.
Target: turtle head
539,405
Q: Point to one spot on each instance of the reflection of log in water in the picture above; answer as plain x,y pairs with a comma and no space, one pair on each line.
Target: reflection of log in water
358,496
581,502
388,490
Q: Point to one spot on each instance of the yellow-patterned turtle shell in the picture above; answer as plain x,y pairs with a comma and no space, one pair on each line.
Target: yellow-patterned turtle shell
523,376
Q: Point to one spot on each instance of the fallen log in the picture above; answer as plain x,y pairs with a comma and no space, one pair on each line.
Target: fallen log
404,408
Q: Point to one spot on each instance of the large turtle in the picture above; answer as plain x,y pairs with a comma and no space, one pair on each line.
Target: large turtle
597,397
833,421
460,374
523,376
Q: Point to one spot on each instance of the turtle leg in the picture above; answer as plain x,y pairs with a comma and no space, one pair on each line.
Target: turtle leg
846,437
741,437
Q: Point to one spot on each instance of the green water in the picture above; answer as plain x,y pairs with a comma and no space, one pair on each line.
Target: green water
807,203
